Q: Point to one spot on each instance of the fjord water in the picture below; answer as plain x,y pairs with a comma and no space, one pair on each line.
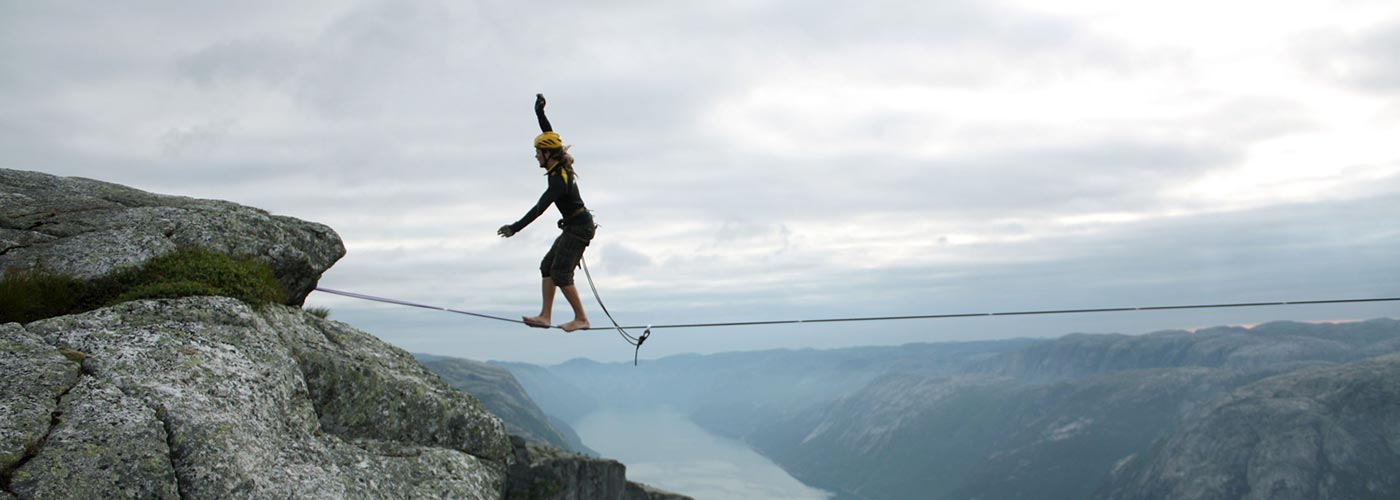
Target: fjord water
664,449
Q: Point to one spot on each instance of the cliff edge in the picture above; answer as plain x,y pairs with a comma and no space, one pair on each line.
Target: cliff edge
211,397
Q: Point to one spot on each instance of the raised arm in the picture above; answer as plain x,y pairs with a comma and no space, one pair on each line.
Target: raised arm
539,113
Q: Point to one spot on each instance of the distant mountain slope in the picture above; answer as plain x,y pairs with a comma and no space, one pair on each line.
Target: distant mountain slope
1324,433
504,397
1054,419
734,393
554,394
1001,419
1226,347
979,436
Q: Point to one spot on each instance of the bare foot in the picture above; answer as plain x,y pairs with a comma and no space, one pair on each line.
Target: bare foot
578,324
536,321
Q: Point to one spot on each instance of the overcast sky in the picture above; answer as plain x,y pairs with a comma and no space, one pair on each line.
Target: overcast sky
758,160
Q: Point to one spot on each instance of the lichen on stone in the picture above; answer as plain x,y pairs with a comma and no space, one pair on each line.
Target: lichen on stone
237,412
33,375
105,445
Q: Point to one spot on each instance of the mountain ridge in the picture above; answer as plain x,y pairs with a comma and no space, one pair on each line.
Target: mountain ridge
1004,415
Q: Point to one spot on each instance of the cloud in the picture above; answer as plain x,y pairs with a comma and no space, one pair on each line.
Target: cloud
1107,173
267,62
946,22
1364,60
196,140
618,258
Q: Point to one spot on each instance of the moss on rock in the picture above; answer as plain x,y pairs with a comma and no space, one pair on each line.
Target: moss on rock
31,295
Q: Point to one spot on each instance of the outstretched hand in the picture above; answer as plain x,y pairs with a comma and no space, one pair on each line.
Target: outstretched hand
539,103
505,231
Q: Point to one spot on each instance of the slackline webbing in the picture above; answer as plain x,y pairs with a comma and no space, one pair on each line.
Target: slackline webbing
413,304
1024,313
888,318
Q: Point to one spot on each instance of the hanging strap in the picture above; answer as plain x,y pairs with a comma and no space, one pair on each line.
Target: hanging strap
636,342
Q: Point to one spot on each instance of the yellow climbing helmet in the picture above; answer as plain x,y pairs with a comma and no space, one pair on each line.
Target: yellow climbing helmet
548,140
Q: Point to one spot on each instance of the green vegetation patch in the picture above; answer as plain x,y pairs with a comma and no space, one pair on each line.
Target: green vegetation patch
194,272
30,295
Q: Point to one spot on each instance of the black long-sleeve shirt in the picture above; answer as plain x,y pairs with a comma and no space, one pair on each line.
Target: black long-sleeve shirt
562,192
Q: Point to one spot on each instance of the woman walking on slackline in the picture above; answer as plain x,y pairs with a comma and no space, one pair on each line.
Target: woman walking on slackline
577,225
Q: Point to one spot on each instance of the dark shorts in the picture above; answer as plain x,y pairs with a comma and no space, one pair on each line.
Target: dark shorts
566,252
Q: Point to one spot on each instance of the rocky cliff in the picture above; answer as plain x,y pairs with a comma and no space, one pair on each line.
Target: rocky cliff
205,397
88,229
210,397
546,472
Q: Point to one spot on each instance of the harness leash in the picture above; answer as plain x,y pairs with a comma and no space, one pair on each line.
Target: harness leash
636,342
